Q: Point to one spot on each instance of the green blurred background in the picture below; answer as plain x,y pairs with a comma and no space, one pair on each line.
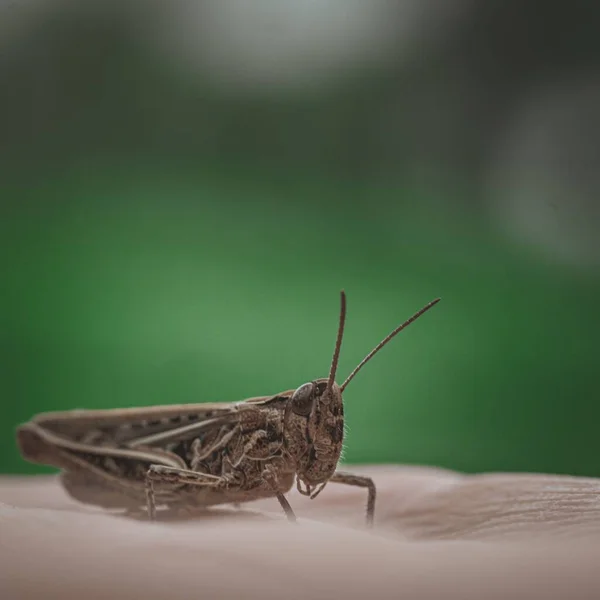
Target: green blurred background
185,187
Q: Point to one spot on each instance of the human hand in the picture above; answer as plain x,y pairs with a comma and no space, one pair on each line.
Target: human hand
437,534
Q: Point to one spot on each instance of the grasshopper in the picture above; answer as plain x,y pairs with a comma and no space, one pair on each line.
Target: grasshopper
198,455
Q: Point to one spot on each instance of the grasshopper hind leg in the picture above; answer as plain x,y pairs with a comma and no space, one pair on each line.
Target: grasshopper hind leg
159,474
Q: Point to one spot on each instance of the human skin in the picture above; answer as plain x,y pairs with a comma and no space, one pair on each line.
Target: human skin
438,534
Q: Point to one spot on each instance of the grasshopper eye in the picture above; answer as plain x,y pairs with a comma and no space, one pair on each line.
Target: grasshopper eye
303,399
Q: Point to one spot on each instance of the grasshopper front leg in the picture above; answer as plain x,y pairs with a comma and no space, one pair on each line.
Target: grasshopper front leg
359,481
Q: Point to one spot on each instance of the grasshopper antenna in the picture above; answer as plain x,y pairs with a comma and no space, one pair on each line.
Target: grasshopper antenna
338,343
383,342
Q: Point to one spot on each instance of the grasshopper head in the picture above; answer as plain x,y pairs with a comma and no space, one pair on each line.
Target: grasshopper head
315,425
315,415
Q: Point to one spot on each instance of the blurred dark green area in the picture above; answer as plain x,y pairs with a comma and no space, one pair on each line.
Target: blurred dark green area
164,242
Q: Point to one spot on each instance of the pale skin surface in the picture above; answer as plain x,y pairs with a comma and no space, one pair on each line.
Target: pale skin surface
437,534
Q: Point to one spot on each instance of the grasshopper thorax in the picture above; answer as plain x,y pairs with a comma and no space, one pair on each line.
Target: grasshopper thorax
315,430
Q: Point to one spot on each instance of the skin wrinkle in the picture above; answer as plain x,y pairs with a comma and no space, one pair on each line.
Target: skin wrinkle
437,533
478,504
